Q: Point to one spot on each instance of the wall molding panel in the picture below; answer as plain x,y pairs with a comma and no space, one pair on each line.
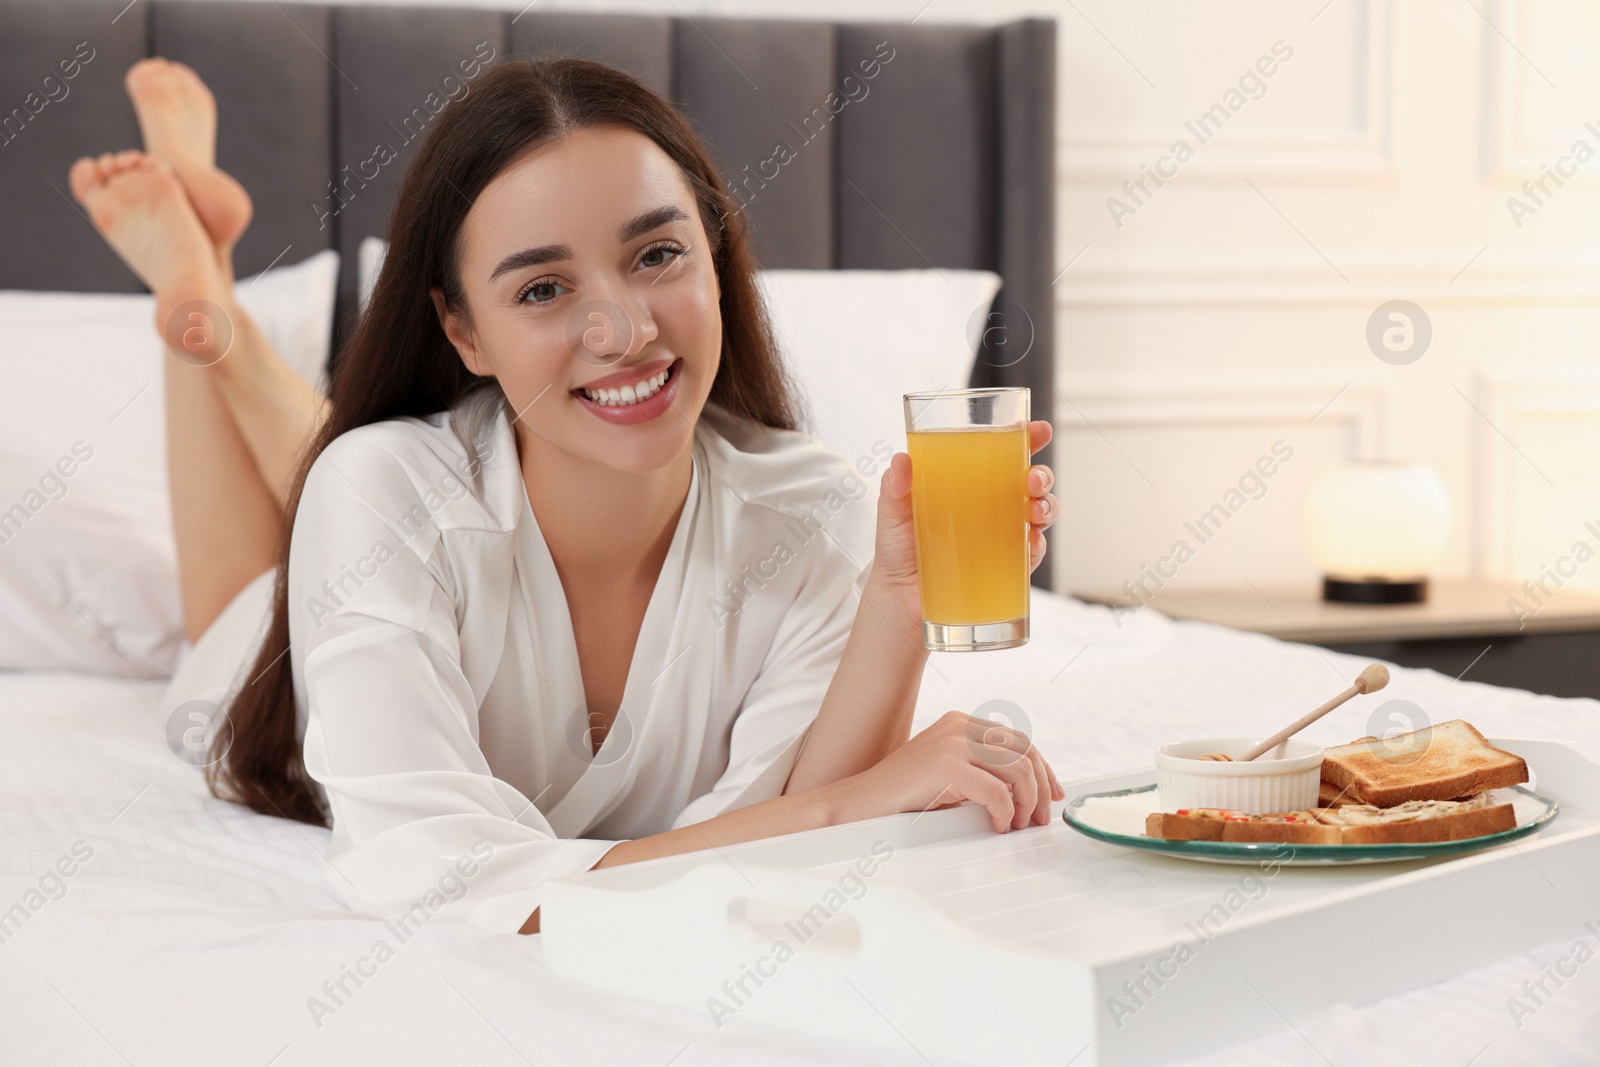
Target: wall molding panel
1364,277
1513,476
1330,154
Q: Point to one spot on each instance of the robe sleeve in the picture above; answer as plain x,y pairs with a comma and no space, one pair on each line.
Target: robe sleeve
421,826
777,712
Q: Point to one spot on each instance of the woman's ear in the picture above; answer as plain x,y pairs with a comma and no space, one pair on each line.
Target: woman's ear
457,333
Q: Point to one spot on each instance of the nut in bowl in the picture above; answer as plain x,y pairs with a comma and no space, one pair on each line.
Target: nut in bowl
1284,778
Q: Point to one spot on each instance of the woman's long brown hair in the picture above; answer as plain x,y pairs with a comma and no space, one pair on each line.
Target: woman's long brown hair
398,361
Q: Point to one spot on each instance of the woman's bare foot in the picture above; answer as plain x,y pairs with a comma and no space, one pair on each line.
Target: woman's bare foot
138,203
178,120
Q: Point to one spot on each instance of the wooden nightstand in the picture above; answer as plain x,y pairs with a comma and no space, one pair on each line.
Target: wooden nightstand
1464,627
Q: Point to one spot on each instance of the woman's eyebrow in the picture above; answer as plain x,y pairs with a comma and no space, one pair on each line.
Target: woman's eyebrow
531,257
649,220
643,223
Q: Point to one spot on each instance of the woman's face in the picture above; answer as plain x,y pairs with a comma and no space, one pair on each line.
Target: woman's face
585,265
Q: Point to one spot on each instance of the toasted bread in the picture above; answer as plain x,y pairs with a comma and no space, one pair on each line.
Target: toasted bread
1182,827
1349,824
1451,759
1303,830
1216,824
1331,796
1417,821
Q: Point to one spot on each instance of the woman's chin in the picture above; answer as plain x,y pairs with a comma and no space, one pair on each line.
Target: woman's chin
638,449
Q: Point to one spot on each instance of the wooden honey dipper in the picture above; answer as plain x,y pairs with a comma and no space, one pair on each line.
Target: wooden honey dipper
1370,680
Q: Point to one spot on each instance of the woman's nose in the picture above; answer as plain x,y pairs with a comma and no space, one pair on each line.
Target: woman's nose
607,330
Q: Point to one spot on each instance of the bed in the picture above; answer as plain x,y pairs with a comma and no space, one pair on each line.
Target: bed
198,932
143,921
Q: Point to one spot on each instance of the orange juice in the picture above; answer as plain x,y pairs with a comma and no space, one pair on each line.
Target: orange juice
969,499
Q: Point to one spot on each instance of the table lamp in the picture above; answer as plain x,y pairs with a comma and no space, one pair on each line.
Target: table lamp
1374,528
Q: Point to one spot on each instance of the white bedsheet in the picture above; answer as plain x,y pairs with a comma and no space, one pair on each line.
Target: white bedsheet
198,932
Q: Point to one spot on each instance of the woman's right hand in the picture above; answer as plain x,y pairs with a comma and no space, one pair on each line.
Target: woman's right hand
958,758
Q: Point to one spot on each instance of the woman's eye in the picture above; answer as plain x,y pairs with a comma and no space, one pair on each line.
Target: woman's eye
538,293
659,256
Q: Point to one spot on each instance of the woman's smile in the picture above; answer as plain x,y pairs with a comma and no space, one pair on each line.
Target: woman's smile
632,397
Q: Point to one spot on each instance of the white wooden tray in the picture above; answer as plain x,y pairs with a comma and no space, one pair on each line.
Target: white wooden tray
932,932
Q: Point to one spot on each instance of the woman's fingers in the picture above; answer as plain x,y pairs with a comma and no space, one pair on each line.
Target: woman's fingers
978,760
1025,773
989,732
1039,434
1044,508
1032,791
999,745
1005,753
983,787
1040,479
1041,784
897,478
1016,771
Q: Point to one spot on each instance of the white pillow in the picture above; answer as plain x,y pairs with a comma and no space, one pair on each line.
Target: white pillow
369,258
855,341
88,564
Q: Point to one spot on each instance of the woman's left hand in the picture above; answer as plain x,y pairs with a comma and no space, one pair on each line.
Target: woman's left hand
894,565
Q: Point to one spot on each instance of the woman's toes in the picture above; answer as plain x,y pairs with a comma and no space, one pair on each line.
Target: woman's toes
177,113
178,118
161,81
123,162
140,70
145,216
116,199
83,177
185,75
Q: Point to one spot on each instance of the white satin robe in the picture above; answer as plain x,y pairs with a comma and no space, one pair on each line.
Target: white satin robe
437,677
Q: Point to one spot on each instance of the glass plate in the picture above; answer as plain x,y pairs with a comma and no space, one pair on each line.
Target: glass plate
1118,818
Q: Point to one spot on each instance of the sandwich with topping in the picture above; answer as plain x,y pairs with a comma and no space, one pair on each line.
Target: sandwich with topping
1428,785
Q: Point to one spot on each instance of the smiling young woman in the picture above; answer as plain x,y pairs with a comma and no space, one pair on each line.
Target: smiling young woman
559,427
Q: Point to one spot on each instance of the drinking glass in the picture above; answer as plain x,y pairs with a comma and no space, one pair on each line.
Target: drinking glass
969,502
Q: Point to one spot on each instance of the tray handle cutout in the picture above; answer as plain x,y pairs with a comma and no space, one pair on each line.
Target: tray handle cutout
767,921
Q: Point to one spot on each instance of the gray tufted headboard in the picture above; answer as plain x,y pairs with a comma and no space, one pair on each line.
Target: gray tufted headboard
943,159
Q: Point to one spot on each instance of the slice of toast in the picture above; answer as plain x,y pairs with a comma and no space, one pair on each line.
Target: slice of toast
1303,829
1450,759
1215,824
1331,796
1417,821
1349,824
1184,827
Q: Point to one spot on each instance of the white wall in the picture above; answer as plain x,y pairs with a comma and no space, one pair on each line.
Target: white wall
1229,309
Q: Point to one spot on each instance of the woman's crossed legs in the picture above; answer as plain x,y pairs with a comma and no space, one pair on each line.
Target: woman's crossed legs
237,427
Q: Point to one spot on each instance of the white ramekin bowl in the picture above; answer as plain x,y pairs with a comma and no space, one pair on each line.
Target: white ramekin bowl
1284,778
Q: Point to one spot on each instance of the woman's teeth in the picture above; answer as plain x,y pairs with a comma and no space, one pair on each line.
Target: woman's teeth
629,394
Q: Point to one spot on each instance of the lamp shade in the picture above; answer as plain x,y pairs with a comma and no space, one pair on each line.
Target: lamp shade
1376,520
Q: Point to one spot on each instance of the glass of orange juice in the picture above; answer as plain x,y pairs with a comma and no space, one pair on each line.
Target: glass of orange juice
969,503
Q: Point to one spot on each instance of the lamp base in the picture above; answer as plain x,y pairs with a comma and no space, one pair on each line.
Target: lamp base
1374,591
